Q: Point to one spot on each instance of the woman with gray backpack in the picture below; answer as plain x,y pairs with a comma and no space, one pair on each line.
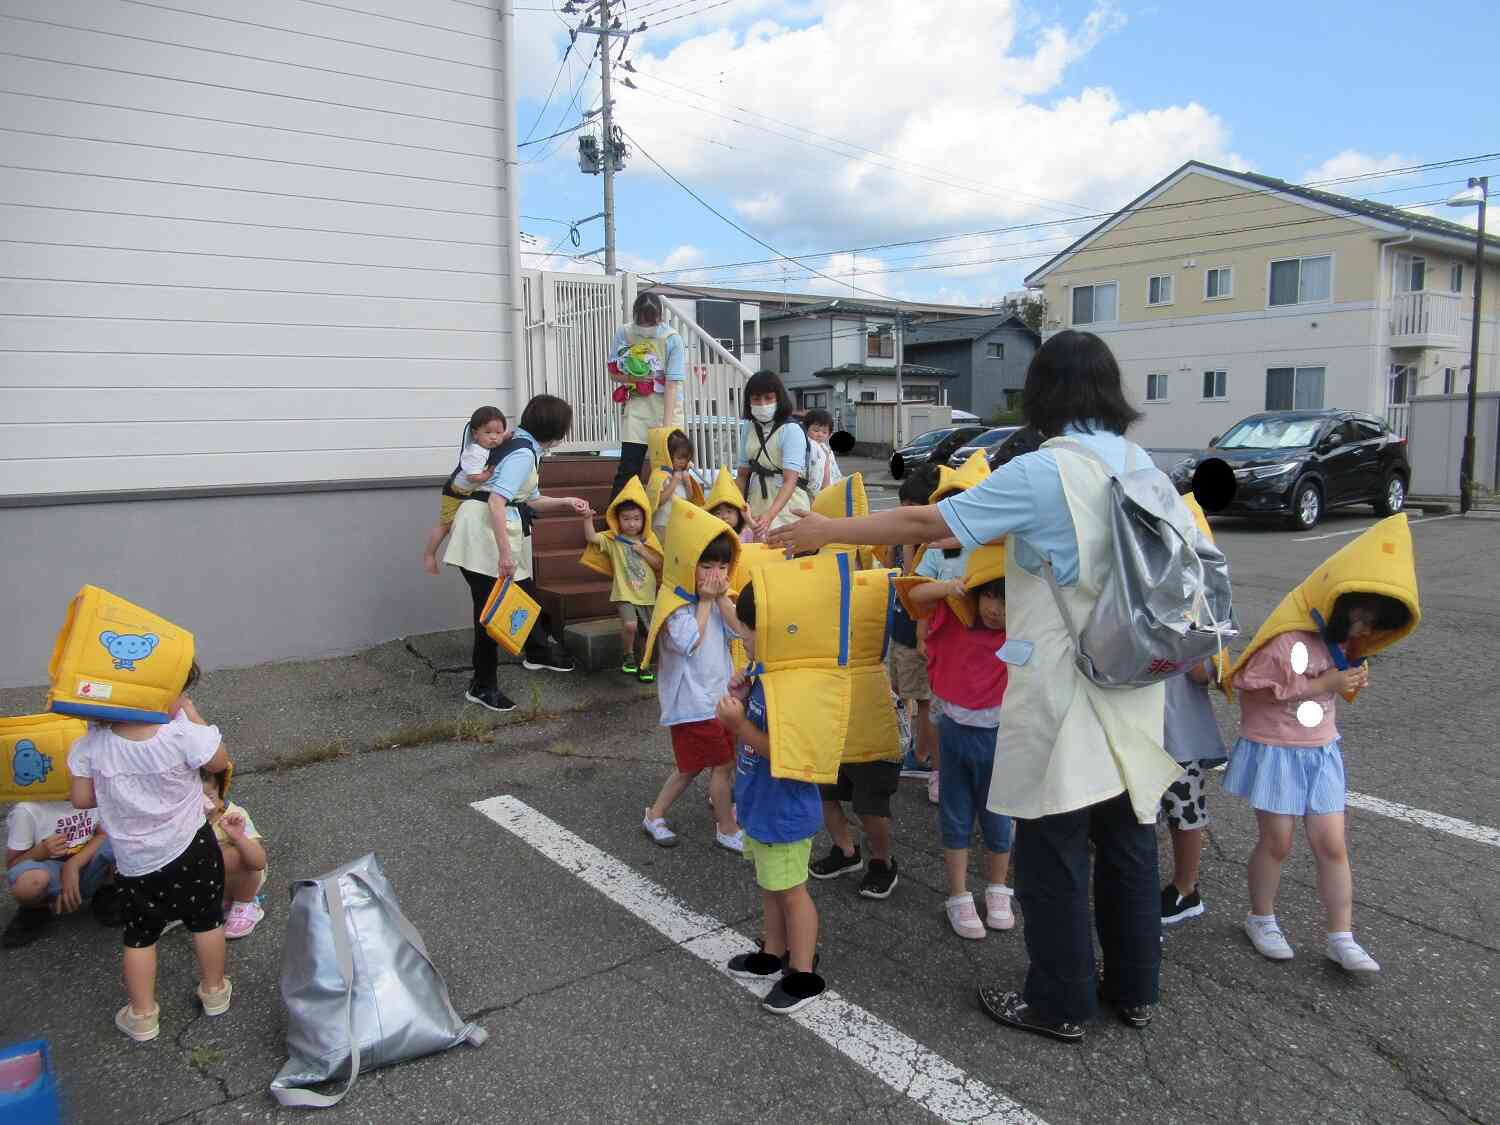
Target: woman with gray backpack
1110,591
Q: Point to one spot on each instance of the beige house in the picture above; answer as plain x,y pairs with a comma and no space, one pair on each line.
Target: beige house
1225,293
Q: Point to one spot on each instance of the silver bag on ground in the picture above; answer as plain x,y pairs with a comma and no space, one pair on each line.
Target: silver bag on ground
360,990
1164,603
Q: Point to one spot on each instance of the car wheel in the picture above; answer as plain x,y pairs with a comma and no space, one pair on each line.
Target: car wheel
1392,497
1307,506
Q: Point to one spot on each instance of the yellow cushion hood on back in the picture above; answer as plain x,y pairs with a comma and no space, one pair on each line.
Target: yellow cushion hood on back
966,476
656,446
984,564
752,555
689,530
34,756
1381,561
726,491
846,498
595,557
822,628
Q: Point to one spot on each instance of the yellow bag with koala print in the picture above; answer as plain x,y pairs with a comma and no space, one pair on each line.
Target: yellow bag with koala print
34,756
117,662
508,615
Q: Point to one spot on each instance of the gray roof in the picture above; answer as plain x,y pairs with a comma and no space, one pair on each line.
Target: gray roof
1379,212
776,302
865,370
965,328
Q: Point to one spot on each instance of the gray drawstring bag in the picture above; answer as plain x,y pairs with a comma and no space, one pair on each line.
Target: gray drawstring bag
359,987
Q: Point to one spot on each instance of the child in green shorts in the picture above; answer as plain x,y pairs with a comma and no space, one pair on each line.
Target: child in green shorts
779,818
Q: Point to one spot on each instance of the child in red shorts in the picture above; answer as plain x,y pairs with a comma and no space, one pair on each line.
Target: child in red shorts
693,673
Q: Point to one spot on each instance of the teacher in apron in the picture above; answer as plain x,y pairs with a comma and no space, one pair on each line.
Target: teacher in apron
1075,764
491,539
647,366
773,451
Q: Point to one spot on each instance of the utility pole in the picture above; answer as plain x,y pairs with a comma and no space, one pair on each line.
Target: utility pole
609,140
900,329
1466,465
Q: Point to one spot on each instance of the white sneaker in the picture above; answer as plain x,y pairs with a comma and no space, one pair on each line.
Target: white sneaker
963,917
661,835
1268,940
1351,957
734,842
932,787
998,914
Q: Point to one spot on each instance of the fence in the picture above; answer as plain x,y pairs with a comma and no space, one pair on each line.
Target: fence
570,323
1436,442
875,422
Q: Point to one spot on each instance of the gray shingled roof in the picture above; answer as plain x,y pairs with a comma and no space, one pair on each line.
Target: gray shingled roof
864,370
963,328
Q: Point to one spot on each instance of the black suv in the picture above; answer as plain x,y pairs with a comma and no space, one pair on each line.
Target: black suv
935,446
1296,464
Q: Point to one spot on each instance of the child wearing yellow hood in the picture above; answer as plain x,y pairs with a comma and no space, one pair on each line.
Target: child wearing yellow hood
629,554
1288,761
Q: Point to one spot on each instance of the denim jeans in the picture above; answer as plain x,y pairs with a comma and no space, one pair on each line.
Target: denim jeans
968,759
1052,887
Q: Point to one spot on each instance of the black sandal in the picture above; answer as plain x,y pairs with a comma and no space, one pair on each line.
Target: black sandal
1008,1008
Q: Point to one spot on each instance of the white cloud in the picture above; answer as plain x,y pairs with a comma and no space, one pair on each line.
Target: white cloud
1352,162
961,104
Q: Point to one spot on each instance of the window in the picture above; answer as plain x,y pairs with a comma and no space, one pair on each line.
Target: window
1367,431
1218,283
1156,388
1450,379
747,334
1456,277
1095,304
1403,380
784,354
994,351
767,346
1294,388
880,343
1299,281
1410,274
1216,384
812,400
1159,290
866,396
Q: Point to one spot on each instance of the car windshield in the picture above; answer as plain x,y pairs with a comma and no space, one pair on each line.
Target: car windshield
991,437
931,437
1272,433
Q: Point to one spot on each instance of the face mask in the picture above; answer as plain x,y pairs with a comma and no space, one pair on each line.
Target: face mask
763,414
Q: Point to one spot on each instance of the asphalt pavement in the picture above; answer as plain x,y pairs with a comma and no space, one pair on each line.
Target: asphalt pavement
596,1016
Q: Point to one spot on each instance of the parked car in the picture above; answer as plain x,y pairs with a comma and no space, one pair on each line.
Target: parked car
935,446
985,441
1023,440
1297,464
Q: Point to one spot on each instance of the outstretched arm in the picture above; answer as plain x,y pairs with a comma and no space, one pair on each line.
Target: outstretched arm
896,525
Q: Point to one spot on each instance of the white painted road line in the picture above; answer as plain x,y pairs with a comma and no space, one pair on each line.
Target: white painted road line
899,1061
1423,819
1362,530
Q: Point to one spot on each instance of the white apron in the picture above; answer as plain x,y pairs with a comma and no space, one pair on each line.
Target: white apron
643,413
472,545
1064,743
768,453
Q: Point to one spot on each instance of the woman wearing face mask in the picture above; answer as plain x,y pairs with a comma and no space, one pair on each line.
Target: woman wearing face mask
773,450
492,539
646,364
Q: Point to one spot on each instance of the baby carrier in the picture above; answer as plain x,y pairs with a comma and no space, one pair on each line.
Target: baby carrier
763,472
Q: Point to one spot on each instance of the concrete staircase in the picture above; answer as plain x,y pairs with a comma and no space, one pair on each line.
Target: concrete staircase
571,593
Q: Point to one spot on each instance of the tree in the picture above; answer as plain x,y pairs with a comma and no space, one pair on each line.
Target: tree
1030,306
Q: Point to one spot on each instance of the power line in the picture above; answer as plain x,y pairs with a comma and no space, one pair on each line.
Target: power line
698,12
551,90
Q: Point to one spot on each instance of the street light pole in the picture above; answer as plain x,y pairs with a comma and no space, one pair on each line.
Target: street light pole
1466,461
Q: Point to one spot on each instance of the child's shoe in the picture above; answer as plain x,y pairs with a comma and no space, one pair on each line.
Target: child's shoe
1349,955
998,914
963,917
880,879
1267,938
629,667
1178,907
661,835
243,917
759,965
216,1003
793,992
646,675
912,766
836,863
734,842
932,787
142,1029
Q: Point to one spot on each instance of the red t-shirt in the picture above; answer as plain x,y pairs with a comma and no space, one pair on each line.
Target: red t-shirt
962,664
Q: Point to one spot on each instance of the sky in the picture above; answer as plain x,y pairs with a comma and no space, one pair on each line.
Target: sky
831,129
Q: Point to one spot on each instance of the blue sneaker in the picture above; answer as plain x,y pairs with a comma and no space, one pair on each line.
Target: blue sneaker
910,767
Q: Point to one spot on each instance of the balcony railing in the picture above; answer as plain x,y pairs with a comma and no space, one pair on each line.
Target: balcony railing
1425,316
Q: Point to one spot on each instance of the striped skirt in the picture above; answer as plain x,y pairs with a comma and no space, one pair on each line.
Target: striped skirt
1292,780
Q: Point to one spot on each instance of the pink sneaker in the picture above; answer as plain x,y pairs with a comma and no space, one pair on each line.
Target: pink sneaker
998,914
932,787
243,917
963,917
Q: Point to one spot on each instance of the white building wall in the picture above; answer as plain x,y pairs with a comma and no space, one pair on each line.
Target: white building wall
1341,338
249,245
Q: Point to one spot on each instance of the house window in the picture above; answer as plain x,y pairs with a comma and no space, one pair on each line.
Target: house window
1156,388
747,334
1095,304
1159,290
1456,277
880,343
784,354
812,400
1450,379
994,351
1294,388
1216,384
1218,283
1300,281
1403,380
767,346
866,396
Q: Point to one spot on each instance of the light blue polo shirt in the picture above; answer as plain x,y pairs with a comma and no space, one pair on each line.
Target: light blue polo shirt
512,473
791,442
1024,499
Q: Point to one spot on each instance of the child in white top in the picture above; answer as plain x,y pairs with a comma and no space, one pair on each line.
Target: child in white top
244,856
822,466
143,778
486,432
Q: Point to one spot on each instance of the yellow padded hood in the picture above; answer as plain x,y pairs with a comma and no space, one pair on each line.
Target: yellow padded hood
845,499
726,491
985,564
656,446
117,662
752,555
596,558
695,490
34,756
1381,561
689,530
821,633
965,477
